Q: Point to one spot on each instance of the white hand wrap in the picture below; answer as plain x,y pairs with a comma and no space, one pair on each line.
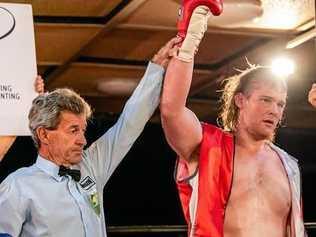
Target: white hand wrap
196,30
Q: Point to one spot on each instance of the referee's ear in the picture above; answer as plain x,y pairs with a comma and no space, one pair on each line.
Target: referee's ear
43,136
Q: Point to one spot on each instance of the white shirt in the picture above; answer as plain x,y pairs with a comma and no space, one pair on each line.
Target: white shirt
36,201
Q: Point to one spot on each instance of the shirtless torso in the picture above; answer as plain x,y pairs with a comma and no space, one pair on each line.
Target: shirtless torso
260,199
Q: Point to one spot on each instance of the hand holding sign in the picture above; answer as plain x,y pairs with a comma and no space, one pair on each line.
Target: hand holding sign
39,85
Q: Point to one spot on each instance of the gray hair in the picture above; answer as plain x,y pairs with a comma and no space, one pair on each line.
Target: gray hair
46,109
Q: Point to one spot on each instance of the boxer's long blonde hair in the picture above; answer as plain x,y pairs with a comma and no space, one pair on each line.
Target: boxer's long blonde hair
243,83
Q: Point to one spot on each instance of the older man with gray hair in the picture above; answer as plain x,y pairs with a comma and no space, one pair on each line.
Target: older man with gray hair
62,193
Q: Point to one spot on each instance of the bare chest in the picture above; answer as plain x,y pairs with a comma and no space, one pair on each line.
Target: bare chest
267,178
260,195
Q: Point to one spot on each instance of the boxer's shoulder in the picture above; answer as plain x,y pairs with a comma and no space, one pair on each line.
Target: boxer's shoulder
283,153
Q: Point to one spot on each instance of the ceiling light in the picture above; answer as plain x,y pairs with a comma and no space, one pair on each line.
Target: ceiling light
284,18
282,67
116,86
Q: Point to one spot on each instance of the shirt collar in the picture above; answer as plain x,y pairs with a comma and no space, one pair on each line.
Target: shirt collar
48,167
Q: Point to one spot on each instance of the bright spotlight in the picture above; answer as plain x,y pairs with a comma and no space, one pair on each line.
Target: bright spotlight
284,18
283,67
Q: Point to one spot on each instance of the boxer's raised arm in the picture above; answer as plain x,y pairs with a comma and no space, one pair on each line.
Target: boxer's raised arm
182,128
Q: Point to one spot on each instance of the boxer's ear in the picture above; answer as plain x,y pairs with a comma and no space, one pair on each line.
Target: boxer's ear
239,100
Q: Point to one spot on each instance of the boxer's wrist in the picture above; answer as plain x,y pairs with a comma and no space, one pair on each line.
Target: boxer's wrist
195,33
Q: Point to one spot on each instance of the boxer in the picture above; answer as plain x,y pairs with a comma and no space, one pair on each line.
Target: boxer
232,180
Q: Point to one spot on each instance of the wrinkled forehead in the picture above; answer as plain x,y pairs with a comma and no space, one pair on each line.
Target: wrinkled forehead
68,118
269,89
267,84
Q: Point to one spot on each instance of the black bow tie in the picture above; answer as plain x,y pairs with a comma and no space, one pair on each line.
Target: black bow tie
75,174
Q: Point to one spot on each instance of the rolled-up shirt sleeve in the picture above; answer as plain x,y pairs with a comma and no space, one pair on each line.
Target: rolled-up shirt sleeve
12,212
108,151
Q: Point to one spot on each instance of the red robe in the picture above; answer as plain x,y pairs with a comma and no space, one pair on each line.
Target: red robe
215,181
216,162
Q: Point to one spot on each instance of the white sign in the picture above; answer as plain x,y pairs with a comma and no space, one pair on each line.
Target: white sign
17,67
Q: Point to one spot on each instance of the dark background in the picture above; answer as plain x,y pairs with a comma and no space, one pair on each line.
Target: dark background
142,190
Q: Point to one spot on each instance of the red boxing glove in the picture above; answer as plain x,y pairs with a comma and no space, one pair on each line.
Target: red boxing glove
187,8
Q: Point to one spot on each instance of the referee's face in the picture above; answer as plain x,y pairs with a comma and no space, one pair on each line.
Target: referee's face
66,142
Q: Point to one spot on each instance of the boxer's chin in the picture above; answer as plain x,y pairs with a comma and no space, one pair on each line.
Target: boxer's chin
265,133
